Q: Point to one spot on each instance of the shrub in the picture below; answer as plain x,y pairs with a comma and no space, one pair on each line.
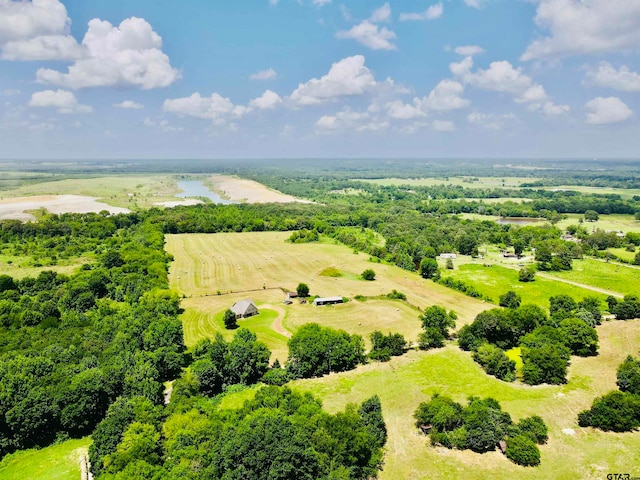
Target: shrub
522,450
526,274
442,413
386,346
534,428
396,295
303,290
510,300
230,320
546,363
615,411
368,275
495,362
629,375
580,337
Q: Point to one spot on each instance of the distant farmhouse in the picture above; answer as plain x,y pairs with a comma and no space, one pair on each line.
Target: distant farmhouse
244,308
452,256
327,301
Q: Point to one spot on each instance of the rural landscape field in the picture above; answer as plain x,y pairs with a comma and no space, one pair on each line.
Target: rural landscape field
319,240
198,259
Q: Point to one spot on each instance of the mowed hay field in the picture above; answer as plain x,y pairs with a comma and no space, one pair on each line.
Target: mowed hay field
260,265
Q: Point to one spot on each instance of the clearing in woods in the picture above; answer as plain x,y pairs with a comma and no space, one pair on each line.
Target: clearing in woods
258,265
56,462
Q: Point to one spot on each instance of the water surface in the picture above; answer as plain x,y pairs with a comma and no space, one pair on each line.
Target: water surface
195,188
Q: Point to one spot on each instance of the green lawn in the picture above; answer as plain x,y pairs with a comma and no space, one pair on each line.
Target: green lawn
57,462
623,253
199,323
496,280
610,276
624,223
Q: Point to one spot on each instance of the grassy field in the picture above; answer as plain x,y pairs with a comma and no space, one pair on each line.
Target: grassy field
496,280
240,265
483,182
127,191
21,267
203,319
572,452
610,276
622,223
260,265
623,253
57,462
623,192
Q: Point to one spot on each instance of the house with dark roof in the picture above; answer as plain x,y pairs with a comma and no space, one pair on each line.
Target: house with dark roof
244,308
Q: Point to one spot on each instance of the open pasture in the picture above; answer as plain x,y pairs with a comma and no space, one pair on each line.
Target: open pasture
244,263
608,223
598,273
276,322
125,191
625,193
57,462
496,280
571,452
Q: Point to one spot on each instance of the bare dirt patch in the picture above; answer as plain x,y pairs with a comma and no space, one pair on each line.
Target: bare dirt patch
248,191
17,208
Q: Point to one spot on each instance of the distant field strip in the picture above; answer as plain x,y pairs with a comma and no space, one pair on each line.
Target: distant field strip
496,280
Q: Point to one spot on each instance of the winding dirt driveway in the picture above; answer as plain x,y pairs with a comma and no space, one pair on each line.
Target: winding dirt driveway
277,323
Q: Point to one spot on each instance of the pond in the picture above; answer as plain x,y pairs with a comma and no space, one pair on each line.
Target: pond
195,188
519,220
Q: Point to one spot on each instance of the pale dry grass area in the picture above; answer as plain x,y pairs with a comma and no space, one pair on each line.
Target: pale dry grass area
17,208
234,262
248,191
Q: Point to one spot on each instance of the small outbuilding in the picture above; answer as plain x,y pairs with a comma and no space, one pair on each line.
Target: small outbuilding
327,301
244,308
445,256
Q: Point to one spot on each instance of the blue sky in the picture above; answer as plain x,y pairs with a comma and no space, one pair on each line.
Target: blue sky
319,78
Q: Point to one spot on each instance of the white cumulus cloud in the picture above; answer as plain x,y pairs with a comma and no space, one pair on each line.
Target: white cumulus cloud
347,77
36,30
443,126
129,104
503,77
321,3
268,74
267,101
603,111
370,35
129,55
431,13
347,120
579,27
475,3
215,107
619,79
64,101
